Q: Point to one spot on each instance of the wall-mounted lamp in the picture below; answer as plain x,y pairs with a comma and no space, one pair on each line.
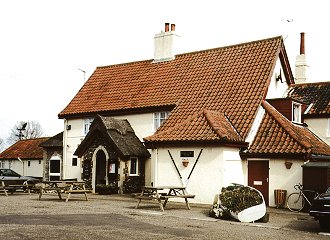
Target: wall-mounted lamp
68,127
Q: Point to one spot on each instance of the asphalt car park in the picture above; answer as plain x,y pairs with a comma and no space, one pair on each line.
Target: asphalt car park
23,216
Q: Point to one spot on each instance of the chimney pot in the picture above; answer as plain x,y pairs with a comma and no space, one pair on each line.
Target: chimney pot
302,43
172,27
167,27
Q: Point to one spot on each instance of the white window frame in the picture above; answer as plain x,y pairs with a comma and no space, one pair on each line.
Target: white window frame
87,124
136,166
294,112
159,118
328,130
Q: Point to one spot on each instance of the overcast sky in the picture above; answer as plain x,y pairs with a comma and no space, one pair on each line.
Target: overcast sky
44,43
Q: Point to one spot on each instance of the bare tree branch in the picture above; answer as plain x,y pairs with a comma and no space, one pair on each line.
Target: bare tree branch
24,130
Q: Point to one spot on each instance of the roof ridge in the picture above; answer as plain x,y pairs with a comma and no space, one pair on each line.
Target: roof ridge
194,52
232,45
126,63
279,118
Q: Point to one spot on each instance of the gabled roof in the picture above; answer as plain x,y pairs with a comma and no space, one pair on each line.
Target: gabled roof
317,94
230,80
28,149
277,135
117,133
204,126
53,142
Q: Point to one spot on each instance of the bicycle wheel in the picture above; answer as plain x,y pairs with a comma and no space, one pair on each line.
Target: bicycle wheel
295,202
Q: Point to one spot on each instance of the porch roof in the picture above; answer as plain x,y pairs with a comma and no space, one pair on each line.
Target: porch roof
118,134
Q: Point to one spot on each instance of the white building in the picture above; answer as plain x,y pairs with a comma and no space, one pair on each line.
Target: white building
24,157
210,108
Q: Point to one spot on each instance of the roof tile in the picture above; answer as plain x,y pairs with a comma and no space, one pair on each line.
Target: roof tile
231,80
278,134
25,149
317,94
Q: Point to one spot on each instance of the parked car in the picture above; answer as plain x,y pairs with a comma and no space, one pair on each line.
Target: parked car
11,177
320,210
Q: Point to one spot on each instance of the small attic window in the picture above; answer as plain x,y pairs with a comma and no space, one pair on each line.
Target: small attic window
159,118
296,112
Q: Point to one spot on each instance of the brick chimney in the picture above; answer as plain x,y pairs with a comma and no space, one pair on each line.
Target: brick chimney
165,44
301,65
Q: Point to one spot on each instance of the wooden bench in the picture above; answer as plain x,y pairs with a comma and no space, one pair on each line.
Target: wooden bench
78,191
157,193
26,187
163,197
42,189
185,196
81,190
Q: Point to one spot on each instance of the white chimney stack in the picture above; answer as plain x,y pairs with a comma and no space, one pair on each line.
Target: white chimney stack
165,44
301,65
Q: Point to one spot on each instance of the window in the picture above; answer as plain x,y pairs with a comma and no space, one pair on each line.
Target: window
29,163
296,112
328,132
39,161
159,118
134,166
87,124
74,161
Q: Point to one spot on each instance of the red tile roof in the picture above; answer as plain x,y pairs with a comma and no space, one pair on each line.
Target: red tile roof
317,94
231,81
24,149
210,125
277,135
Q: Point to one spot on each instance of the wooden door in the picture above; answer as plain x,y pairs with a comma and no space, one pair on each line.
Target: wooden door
258,177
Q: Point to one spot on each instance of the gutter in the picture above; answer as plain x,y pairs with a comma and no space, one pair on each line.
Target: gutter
320,157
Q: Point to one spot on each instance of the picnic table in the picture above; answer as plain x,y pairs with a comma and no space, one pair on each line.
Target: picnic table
163,193
12,185
63,186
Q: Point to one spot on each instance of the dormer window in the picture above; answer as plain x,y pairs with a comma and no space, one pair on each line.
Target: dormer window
296,112
159,118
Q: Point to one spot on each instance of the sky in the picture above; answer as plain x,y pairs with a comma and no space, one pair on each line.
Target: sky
48,48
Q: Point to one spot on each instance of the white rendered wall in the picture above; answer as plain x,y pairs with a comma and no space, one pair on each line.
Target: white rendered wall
71,139
208,176
277,89
319,126
34,170
282,178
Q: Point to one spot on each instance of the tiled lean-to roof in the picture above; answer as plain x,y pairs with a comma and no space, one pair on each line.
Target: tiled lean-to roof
277,135
317,94
24,149
229,81
210,125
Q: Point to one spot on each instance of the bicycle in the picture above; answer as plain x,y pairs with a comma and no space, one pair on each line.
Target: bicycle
296,201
